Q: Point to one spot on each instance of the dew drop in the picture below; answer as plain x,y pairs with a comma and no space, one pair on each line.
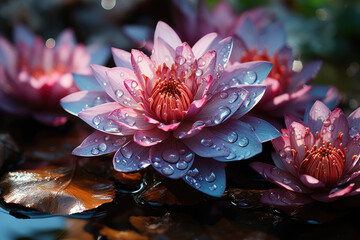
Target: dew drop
234,97
126,152
110,127
193,173
171,155
97,120
180,60
232,137
168,170
189,157
243,141
247,102
198,72
197,185
210,178
331,128
274,196
202,63
139,59
275,171
206,142
231,156
282,153
157,165
224,95
181,165
286,181
167,59
95,151
134,84
250,77
327,122
118,141
212,187
106,138
223,113
102,147
122,74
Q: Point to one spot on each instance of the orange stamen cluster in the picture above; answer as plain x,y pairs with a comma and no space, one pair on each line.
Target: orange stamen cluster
170,97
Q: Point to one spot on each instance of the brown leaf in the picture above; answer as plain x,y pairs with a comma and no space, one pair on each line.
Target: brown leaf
113,234
63,190
152,225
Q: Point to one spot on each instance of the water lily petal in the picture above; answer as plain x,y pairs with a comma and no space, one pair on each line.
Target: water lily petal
311,182
335,124
79,101
273,38
308,72
131,157
150,137
188,129
167,34
222,106
247,31
208,176
171,158
279,177
163,53
284,198
99,53
7,56
142,65
255,94
23,34
318,113
66,37
263,130
333,195
99,143
86,82
122,58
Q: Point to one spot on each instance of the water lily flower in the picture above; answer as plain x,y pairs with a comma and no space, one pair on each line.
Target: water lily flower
34,76
164,110
315,160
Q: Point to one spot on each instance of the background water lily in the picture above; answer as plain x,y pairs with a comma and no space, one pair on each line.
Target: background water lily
164,110
34,76
316,160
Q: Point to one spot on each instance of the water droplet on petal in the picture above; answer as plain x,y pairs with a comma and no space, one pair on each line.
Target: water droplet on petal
102,147
210,178
231,156
223,113
212,187
198,72
202,63
168,170
250,77
193,173
286,181
275,171
331,128
111,127
107,138
232,137
171,155
327,122
157,164
224,95
353,131
197,185
243,141
180,60
95,151
181,165
118,141
139,59
206,142
234,96
126,152
189,157
97,120
247,102
282,153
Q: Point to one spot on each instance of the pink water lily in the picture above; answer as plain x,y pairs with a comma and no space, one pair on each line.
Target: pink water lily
33,77
316,160
165,110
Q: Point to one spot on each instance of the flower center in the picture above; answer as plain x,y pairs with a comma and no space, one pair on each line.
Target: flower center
170,97
325,163
279,70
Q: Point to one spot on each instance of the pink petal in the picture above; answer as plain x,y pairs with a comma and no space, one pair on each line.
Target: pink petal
289,119
353,150
168,127
97,117
273,38
207,63
311,182
143,65
129,118
122,58
118,90
208,176
354,123
188,129
195,107
335,124
163,53
284,198
297,134
7,56
318,113
255,94
207,144
279,177
131,157
334,194
222,106
66,37
242,73
79,101
203,87
247,31
308,72
167,34
99,143
23,34
80,59
171,158
150,137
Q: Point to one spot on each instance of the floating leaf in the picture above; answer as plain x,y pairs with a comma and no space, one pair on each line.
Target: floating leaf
63,190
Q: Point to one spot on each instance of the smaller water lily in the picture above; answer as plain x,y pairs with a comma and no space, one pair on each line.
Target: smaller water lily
316,160
34,76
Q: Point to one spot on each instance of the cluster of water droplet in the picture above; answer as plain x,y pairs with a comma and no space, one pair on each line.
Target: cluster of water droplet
198,180
173,160
354,131
108,143
277,174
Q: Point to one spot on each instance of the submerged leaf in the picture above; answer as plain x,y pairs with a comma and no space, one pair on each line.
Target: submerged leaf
63,190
